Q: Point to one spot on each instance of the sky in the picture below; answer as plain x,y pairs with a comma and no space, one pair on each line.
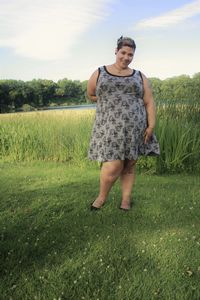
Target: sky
70,39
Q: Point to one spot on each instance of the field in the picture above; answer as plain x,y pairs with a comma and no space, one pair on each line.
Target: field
54,247
63,136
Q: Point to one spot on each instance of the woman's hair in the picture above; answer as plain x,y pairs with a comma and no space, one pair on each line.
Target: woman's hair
125,41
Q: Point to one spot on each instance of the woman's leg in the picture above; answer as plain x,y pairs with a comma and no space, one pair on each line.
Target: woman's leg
110,171
127,179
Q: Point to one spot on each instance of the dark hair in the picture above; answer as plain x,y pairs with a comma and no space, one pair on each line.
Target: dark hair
125,41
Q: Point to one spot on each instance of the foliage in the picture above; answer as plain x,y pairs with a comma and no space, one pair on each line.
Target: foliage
40,92
27,107
64,136
181,89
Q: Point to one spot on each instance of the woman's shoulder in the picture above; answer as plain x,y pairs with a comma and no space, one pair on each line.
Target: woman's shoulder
98,70
142,75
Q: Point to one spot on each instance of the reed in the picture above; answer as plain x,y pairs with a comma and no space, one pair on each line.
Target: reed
178,131
52,136
64,136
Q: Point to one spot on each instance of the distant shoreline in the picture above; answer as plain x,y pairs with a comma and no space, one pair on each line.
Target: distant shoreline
84,106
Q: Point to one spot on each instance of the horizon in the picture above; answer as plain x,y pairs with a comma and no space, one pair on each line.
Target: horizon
56,81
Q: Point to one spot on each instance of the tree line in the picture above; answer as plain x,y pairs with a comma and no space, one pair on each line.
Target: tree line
16,95
181,88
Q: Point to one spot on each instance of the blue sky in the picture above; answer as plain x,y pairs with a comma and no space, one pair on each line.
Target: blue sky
51,39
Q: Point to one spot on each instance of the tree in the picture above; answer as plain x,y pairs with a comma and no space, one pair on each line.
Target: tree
72,90
156,87
5,101
196,87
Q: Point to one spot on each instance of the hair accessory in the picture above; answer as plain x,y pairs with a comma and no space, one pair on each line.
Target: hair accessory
120,39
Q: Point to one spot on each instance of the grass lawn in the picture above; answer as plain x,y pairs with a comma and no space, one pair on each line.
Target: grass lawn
53,247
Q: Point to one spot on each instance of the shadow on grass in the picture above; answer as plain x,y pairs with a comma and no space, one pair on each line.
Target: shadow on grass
59,219
53,226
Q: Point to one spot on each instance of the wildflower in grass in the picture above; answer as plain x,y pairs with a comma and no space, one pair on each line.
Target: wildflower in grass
189,272
13,287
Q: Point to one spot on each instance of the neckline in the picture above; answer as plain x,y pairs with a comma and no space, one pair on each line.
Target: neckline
118,75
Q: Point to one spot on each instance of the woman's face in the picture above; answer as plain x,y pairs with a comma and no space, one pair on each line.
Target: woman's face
124,56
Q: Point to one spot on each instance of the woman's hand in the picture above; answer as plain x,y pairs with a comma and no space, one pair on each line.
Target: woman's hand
147,135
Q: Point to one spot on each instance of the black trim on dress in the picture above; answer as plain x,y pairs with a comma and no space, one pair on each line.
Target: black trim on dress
99,71
118,75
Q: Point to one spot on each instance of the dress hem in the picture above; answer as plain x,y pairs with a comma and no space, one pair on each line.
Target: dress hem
124,158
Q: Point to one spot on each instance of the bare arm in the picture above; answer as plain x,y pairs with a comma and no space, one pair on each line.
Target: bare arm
91,86
150,108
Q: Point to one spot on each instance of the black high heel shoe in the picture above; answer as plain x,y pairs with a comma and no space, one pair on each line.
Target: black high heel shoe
127,209
92,207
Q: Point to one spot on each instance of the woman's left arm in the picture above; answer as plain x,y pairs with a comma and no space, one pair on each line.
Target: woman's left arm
150,109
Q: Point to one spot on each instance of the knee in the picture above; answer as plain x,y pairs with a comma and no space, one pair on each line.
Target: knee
113,171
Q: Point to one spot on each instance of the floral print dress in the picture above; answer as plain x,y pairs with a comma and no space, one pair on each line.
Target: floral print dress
121,119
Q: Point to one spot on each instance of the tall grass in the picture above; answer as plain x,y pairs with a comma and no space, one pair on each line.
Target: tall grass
178,131
64,136
52,136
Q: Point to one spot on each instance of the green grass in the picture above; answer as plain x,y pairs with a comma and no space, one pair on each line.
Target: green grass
64,135
54,247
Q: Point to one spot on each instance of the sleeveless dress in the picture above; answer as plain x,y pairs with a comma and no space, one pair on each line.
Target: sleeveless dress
121,119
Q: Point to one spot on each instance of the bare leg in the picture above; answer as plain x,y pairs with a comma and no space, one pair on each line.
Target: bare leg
110,171
127,179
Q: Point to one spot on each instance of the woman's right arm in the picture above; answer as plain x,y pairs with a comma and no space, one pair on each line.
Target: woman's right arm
91,86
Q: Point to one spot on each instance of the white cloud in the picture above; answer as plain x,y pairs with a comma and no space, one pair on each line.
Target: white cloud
173,17
47,29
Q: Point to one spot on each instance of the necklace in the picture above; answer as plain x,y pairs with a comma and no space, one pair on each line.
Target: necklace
118,70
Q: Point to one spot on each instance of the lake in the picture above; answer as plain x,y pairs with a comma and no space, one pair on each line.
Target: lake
78,107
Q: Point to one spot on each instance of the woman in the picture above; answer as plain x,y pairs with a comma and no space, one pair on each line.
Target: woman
124,123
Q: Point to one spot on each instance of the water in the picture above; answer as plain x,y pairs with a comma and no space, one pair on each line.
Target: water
73,107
